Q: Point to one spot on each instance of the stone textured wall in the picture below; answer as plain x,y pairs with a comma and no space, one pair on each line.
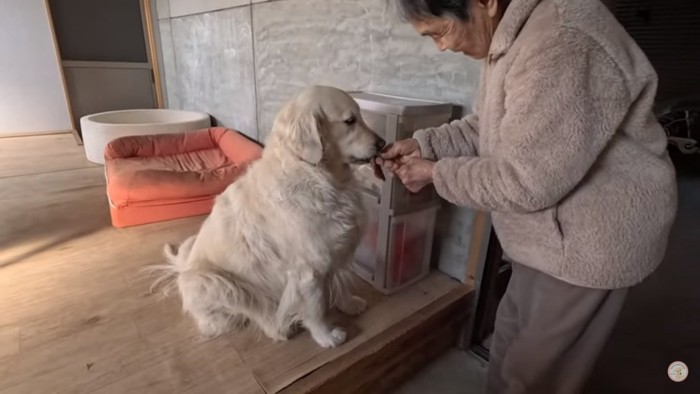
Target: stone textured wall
239,60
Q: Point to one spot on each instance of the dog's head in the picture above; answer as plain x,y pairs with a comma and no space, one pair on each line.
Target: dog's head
325,123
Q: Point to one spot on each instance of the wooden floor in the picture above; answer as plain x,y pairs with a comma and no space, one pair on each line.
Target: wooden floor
76,313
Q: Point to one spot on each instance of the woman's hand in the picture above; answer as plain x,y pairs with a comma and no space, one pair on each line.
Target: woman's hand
394,153
415,173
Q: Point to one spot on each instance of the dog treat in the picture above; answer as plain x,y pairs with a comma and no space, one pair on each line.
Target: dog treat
378,172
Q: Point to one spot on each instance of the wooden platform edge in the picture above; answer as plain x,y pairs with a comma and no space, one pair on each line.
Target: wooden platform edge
387,360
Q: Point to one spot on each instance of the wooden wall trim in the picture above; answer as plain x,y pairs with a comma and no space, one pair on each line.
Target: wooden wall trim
481,230
152,50
36,133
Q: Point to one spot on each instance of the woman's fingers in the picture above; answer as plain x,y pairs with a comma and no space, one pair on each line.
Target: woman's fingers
390,165
395,155
415,174
390,152
399,149
405,173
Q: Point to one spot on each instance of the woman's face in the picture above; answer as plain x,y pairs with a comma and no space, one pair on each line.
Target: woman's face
471,37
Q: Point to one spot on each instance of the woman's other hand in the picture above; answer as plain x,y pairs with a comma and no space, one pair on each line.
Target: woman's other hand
415,173
392,155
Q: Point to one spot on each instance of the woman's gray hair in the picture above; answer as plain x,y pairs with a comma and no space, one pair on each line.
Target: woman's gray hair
415,10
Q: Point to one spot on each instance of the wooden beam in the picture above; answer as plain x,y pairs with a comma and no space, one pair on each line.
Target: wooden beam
148,17
481,230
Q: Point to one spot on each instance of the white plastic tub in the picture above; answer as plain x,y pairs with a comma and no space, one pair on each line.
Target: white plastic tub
99,129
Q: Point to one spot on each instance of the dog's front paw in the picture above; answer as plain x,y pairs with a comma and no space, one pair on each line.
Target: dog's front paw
353,306
291,330
331,338
277,334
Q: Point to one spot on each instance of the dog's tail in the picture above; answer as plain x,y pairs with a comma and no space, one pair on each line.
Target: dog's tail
177,257
176,264
216,299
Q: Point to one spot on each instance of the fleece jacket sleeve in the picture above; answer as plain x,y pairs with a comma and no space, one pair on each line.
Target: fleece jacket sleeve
564,100
457,138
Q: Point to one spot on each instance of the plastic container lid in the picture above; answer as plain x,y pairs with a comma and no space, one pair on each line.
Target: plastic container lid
395,105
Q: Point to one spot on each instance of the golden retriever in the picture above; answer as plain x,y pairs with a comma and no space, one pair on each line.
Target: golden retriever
276,249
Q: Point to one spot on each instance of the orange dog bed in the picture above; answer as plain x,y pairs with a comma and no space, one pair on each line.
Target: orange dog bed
168,176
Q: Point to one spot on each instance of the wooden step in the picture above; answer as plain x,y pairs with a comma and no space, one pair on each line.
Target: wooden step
382,363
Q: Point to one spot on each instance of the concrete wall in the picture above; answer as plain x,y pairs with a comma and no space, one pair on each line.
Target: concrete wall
239,60
32,98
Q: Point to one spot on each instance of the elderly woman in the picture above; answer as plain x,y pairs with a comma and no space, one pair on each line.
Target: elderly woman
563,149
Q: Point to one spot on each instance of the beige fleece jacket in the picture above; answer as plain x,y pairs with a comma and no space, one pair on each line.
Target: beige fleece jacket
563,148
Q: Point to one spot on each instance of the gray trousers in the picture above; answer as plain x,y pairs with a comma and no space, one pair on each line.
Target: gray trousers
548,334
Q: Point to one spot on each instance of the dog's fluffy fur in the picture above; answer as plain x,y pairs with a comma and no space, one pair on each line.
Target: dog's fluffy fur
275,249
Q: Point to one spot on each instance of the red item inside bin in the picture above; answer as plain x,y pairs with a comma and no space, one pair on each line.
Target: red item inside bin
407,253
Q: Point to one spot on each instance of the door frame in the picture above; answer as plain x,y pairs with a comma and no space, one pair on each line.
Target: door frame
148,17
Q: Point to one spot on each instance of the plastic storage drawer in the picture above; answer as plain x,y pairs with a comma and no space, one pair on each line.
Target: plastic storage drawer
395,251
396,118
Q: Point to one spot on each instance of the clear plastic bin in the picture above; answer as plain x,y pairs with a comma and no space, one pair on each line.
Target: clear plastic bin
399,199
411,240
366,252
377,122
395,251
396,118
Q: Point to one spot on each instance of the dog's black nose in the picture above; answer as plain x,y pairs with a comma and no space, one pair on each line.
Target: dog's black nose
380,144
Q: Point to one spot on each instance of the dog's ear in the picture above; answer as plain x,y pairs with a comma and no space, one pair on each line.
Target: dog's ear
304,132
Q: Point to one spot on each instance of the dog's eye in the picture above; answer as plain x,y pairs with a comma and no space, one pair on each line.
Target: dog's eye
350,121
